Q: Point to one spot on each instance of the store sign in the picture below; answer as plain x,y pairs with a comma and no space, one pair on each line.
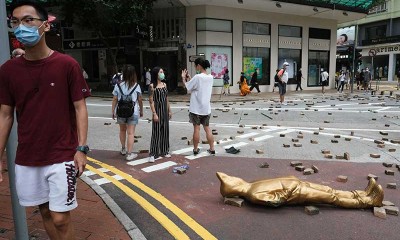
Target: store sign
381,50
391,39
83,44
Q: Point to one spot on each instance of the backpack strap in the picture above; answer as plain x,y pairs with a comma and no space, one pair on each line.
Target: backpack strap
120,89
133,89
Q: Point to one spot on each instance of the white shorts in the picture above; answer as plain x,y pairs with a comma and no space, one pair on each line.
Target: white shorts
55,184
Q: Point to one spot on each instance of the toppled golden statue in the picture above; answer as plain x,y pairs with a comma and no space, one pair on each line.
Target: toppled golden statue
291,190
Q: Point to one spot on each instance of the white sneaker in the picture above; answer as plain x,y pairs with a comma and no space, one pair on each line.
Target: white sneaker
284,104
123,151
131,156
151,159
168,156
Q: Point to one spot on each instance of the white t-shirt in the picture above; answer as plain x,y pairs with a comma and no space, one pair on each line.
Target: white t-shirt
201,89
324,76
148,78
283,73
135,95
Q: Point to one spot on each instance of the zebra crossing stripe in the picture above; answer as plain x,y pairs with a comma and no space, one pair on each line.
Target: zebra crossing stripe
248,135
263,138
140,161
236,145
160,166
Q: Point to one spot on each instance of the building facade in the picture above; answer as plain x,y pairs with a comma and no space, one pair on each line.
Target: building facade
378,36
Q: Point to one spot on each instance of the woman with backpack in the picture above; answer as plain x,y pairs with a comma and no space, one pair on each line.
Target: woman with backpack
127,105
159,105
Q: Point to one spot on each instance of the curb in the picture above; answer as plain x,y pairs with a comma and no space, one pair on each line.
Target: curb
133,231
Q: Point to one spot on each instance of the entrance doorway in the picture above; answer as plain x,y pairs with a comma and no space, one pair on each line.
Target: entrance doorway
168,61
317,60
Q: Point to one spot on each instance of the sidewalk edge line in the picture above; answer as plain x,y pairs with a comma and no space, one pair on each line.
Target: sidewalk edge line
132,229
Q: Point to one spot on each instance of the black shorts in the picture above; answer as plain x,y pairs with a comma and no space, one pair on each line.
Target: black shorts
324,83
199,119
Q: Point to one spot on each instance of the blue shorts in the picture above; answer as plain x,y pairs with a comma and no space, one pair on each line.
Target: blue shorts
134,120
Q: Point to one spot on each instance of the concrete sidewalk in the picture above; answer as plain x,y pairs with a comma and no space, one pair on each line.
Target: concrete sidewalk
235,97
92,219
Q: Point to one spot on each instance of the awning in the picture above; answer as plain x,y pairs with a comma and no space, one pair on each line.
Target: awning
360,6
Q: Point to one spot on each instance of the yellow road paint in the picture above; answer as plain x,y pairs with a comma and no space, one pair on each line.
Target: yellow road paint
190,222
171,227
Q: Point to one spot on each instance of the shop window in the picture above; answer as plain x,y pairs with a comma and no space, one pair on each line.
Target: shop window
317,60
293,57
256,28
214,25
220,58
256,57
289,31
319,33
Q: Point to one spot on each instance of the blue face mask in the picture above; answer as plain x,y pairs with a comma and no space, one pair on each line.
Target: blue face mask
29,36
161,76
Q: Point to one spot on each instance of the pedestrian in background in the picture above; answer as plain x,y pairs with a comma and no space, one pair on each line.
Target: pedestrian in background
254,81
226,81
342,79
398,79
362,75
161,111
367,79
130,89
299,77
148,79
324,79
200,87
244,88
48,91
283,76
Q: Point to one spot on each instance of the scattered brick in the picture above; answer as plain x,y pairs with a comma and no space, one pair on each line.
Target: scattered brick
316,133
334,141
264,165
295,140
395,141
215,116
387,203
241,125
347,156
240,131
245,114
385,139
204,142
384,133
311,210
321,128
392,150
190,142
308,171
329,113
374,119
237,202
375,155
381,145
295,163
282,135
138,136
181,170
214,133
378,142
297,145
326,121
183,138
300,136
315,168
286,145
144,151
254,127
342,178
314,142
232,137
387,125
107,123
386,164
372,176
380,212
336,136
391,210
391,185
389,172
135,141
339,157
347,139
300,168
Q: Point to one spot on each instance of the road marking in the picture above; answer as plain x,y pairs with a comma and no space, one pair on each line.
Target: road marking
158,167
236,145
263,138
247,135
171,227
104,170
101,181
141,161
184,150
190,222
88,173
202,154
271,129
286,131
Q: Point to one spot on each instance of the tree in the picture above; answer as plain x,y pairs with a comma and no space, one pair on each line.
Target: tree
109,19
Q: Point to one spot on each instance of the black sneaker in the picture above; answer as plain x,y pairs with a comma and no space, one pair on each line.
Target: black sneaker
195,152
211,152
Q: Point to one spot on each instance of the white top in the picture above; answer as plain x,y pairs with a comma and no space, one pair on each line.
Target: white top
201,88
148,78
324,76
135,95
284,75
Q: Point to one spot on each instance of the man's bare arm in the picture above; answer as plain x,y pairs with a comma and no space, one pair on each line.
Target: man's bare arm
6,122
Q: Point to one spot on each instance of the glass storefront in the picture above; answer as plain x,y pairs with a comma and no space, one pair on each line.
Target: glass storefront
254,57
379,65
293,57
317,60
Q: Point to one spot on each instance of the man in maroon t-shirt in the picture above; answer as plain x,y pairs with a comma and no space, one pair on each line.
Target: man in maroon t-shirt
48,92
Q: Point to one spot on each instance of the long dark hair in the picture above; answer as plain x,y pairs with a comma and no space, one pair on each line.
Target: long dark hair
129,75
202,62
154,76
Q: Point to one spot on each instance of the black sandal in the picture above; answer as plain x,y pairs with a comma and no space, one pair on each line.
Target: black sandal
195,152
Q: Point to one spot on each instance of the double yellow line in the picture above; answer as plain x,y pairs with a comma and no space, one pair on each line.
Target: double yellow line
170,226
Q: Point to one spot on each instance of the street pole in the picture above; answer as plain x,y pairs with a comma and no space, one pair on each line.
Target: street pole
354,59
19,215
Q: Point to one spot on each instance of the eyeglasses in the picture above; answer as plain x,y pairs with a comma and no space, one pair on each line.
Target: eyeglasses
26,21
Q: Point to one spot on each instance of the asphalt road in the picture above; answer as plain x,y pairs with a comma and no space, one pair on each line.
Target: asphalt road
264,125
